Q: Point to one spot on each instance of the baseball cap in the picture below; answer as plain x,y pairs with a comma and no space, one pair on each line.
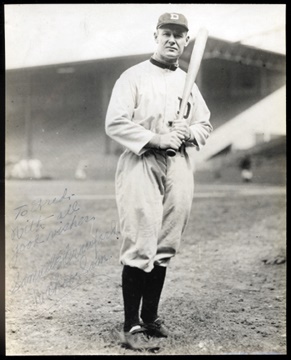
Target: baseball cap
173,18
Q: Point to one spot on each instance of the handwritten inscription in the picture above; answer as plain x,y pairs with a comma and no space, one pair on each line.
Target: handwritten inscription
47,222
33,232
39,204
64,258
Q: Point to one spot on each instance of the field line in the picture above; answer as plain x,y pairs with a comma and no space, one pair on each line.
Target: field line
82,197
198,194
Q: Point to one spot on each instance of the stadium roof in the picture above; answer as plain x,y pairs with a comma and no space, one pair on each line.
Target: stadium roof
44,34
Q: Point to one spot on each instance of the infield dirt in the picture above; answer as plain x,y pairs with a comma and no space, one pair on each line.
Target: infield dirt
225,291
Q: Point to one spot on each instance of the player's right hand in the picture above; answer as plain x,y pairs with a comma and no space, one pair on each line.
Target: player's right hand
171,140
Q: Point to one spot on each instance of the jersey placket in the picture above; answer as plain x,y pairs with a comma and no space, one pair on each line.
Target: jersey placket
168,112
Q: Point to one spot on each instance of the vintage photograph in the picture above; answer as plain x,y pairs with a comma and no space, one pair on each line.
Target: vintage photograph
145,179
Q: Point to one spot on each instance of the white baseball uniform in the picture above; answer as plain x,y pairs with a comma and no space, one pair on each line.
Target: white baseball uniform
154,192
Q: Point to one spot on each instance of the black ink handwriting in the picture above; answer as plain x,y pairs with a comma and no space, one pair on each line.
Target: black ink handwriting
39,204
18,232
49,236
60,260
69,211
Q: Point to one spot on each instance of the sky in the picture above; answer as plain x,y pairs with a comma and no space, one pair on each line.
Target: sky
45,34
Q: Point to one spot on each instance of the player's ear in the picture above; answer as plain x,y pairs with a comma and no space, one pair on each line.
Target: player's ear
187,40
156,36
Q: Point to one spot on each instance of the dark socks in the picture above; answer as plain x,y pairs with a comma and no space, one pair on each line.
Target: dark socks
154,282
133,280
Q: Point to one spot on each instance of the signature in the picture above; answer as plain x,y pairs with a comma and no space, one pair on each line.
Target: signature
48,221
63,258
34,232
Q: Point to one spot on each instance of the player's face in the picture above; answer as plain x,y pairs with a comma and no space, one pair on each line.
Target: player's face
171,40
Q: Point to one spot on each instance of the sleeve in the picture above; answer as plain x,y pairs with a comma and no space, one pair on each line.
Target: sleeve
118,124
200,125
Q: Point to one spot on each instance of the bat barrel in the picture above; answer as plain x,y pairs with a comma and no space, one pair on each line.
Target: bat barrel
194,64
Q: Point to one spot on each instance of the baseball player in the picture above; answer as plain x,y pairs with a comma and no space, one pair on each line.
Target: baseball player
154,192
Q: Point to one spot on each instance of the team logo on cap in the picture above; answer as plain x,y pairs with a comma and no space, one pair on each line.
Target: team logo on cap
174,17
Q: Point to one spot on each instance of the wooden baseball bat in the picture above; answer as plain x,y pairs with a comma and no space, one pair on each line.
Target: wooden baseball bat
193,68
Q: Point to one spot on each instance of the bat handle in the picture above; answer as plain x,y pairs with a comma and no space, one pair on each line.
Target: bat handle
171,152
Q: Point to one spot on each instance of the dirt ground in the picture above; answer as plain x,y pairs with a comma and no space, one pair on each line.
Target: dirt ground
225,291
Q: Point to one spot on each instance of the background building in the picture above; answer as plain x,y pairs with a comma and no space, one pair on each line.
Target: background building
56,113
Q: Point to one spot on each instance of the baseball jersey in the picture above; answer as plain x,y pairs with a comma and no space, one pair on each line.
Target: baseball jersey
143,101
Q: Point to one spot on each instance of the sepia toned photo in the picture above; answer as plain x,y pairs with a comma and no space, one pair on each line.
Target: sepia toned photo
145,179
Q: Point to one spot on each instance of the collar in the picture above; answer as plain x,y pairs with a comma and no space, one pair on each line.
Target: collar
172,67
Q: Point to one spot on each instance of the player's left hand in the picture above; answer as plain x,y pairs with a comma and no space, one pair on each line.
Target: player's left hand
182,128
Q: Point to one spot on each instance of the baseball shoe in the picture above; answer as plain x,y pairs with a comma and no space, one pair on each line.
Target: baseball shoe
137,339
156,328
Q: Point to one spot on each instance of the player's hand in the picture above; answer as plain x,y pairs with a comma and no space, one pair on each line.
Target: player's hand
182,128
171,140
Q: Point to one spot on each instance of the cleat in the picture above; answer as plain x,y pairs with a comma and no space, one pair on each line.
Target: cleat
156,328
137,339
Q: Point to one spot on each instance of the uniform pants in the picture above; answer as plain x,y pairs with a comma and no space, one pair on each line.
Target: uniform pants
154,195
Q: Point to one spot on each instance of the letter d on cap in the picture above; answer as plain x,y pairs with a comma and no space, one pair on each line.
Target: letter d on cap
174,16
